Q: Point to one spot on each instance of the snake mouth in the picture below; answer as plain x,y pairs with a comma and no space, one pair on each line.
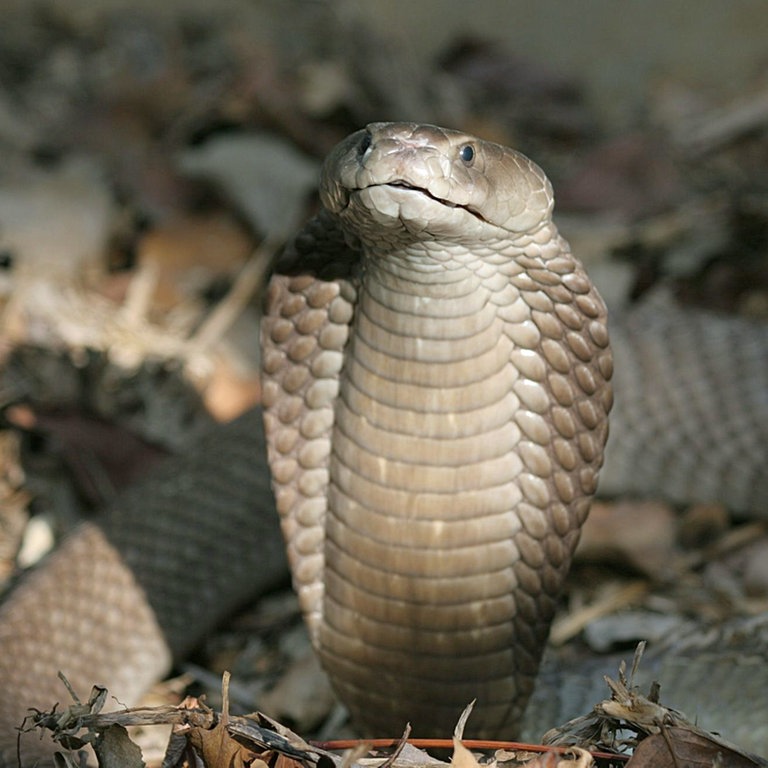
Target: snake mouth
400,184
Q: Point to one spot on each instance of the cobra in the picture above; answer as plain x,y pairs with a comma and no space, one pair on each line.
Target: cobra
436,397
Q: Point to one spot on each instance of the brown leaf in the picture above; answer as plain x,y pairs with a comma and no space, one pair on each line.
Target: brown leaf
680,746
103,457
189,254
114,749
217,749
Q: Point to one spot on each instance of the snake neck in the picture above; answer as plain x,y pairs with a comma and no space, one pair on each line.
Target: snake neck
420,545
437,417
427,341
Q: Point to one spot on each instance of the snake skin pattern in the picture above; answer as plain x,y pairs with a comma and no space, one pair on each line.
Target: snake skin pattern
119,600
436,396
690,421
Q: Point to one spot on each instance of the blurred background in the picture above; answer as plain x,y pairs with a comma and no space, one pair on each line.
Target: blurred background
648,115
154,154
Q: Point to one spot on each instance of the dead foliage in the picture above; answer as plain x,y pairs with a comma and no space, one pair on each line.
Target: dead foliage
627,729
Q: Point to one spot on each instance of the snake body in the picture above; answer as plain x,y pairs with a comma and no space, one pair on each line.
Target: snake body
690,422
436,396
124,595
436,389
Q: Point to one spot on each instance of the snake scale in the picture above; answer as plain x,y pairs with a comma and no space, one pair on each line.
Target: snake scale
436,397
436,390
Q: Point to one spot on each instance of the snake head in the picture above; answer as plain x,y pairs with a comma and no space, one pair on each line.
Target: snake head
424,182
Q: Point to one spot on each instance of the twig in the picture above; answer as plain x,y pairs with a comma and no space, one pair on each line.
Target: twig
248,282
571,625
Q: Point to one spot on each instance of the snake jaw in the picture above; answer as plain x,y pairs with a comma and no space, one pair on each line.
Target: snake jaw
394,213
402,184
409,212
443,201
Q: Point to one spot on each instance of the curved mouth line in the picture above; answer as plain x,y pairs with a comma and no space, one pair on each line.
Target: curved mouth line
405,185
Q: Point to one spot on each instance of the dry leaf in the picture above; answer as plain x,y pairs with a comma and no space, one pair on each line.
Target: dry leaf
462,757
217,749
638,533
189,253
581,759
114,749
681,746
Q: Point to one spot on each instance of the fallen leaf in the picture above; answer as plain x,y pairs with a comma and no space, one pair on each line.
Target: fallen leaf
114,749
676,747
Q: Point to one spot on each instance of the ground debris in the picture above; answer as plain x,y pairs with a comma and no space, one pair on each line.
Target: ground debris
200,735
655,735
204,738
629,728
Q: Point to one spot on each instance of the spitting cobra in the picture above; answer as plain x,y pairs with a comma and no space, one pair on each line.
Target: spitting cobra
436,369
436,391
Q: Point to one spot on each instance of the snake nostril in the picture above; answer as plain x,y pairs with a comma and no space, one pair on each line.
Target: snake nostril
365,144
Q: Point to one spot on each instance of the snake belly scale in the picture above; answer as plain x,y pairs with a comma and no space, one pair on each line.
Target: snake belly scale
436,395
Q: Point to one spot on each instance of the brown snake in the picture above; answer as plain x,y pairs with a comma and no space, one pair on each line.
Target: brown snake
436,392
436,370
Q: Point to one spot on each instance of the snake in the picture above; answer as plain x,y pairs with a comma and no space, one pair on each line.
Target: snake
436,390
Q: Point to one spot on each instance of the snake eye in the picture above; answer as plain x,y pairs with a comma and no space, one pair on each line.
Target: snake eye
467,154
